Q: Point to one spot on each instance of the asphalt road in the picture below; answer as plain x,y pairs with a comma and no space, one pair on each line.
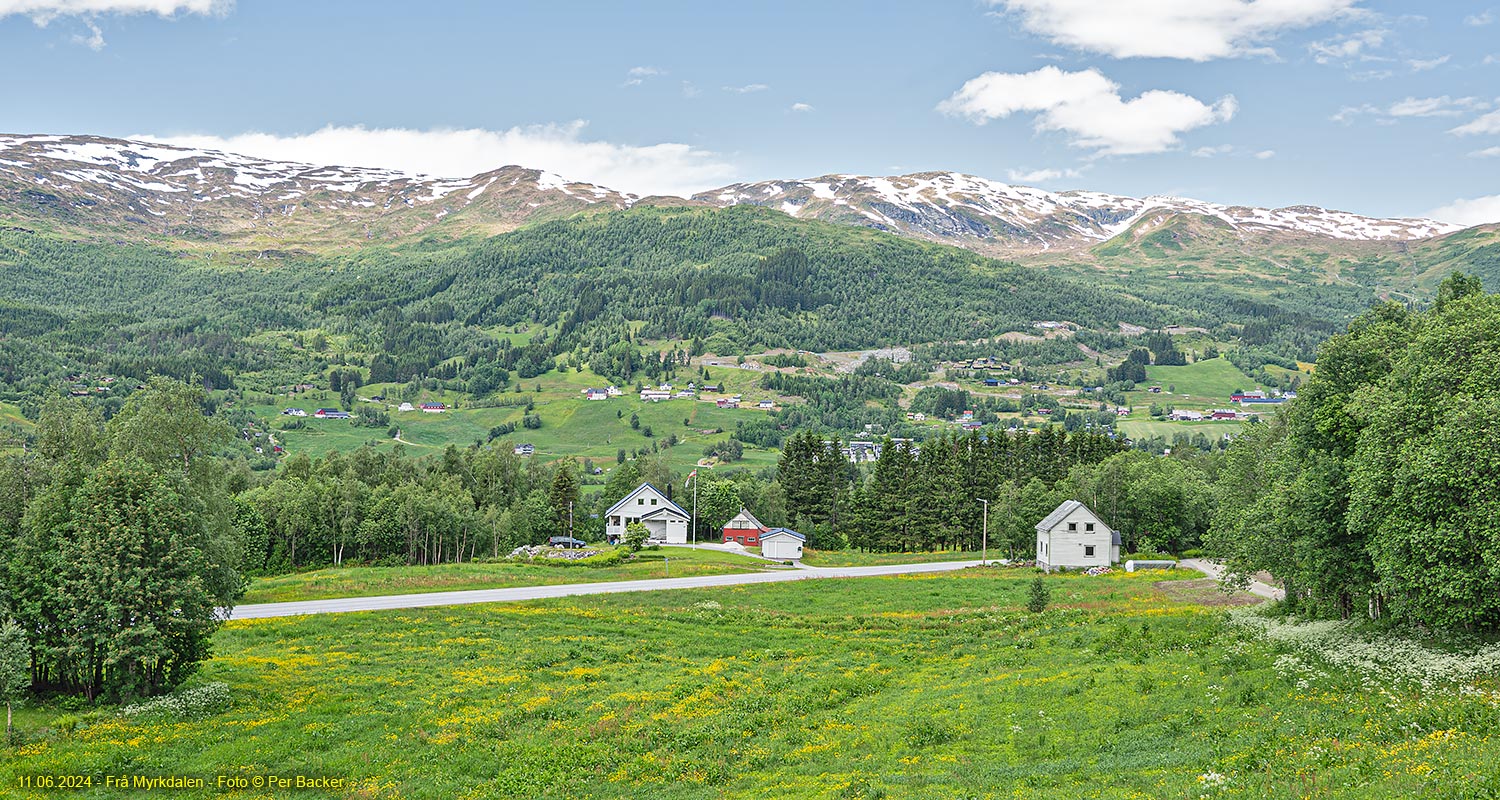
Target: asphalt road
390,601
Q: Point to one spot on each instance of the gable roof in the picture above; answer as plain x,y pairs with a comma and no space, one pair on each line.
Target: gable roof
669,508
782,532
637,490
1062,511
745,512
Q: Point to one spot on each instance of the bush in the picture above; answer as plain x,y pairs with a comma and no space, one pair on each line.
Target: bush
190,704
1039,597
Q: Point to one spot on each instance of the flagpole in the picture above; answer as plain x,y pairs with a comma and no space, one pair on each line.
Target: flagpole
695,509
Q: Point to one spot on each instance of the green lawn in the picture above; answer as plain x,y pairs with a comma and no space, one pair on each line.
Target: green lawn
1146,427
369,581
855,558
902,687
1207,384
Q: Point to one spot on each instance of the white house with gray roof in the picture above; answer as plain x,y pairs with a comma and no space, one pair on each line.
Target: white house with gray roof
1074,537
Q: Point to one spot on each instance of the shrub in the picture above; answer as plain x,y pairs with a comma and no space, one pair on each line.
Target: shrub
189,704
1039,597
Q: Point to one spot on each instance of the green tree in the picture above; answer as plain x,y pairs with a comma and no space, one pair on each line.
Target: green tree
1039,596
15,669
635,536
563,495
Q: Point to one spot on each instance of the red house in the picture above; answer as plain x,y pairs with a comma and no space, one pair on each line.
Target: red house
744,529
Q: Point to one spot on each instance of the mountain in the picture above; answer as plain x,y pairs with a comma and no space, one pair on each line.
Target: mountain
248,207
1006,220
135,189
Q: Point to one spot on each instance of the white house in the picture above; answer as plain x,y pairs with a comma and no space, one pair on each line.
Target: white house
654,395
406,407
1073,536
782,544
664,520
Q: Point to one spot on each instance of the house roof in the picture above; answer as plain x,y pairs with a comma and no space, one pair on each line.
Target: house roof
670,508
637,491
1062,511
782,532
745,512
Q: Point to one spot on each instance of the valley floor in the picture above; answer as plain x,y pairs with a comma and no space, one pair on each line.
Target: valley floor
917,686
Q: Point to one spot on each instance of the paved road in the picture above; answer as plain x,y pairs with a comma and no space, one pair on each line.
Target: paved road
1216,572
390,601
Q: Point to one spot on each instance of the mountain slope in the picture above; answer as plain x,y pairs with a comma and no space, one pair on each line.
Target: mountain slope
1002,219
137,189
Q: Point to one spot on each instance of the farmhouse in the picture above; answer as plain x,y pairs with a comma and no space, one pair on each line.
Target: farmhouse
766,404
1185,415
524,449
596,394
665,521
782,544
434,408
406,407
294,412
654,395
744,529
330,413
1073,536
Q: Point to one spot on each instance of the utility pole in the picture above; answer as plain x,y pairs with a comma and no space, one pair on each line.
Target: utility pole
984,552
570,519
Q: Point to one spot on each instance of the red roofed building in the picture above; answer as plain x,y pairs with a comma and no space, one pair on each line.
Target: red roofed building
744,529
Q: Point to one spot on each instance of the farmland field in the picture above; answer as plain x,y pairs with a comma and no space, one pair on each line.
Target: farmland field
369,581
907,687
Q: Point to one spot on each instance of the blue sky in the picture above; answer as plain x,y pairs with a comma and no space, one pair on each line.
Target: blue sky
1382,108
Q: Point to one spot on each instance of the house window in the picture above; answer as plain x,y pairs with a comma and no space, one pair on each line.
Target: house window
640,501
1088,551
1072,526
1088,526
653,501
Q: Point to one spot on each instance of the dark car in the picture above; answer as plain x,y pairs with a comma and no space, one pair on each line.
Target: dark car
566,541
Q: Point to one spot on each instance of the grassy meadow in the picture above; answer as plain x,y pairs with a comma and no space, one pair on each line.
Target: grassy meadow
320,584
936,686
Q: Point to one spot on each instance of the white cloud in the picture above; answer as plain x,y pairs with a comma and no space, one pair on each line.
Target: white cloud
802,107
665,168
1491,59
1476,211
1488,152
1348,47
1041,175
1197,30
1265,154
94,41
1087,106
1489,123
1215,150
1481,19
1443,106
1421,65
638,75
689,90
43,11
747,88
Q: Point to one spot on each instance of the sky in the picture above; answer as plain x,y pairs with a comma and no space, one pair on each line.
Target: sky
1380,108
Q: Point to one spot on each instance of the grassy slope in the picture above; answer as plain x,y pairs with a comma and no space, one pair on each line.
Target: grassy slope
911,687
571,426
854,558
369,581
1206,384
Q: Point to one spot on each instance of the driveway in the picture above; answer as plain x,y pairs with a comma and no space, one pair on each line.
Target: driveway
1216,572
385,602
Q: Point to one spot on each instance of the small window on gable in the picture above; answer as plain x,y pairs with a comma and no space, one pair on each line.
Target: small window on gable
1072,526
1088,551
653,502
1088,526
640,501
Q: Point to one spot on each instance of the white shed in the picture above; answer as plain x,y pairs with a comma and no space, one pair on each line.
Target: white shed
1073,536
782,544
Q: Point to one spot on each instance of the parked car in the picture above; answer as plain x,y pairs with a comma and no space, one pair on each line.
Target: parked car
566,541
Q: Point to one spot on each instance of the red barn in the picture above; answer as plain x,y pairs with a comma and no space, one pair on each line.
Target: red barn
744,529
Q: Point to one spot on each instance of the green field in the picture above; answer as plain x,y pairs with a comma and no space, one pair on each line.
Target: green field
1146,427
369,581
572,427
902,687
855,558
1206,384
